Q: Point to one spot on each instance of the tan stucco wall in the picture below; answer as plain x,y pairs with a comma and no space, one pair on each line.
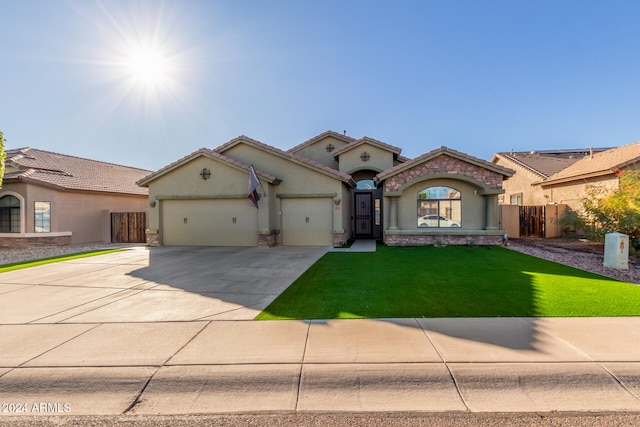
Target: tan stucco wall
520,182
380,159
185,182
318,151
296,178
572,193
473,206
84,214
230,182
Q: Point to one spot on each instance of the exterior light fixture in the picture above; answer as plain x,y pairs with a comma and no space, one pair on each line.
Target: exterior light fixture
205,174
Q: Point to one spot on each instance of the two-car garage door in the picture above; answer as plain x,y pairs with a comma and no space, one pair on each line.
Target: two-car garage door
221,222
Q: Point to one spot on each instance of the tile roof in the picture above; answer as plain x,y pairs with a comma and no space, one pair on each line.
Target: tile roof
439,151
544,164
313,140
602,163
72,173
367,140
209,153
287,155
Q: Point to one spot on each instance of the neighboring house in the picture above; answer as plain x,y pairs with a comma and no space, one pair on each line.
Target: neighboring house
324,192
568,186
530,168
49,198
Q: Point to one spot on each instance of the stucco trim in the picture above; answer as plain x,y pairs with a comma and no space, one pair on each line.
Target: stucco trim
199,197
306,195
33,235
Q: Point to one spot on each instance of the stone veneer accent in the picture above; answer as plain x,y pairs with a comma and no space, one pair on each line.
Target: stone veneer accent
339,239
153,238
29,242
443,165
429,240
268,239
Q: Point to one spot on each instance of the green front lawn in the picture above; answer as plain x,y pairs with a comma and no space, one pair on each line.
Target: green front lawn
455,281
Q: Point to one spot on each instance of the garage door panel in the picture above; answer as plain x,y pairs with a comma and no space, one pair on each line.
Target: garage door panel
209,223
307,222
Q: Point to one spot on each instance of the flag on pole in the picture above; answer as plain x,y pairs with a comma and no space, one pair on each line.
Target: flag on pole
253,187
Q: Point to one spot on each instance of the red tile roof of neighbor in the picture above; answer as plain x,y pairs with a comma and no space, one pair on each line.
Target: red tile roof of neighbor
72,173
598,164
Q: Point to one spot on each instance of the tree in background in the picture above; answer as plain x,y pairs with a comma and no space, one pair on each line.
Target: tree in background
2,157
615,211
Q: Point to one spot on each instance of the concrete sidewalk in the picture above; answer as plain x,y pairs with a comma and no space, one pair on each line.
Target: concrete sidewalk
77,354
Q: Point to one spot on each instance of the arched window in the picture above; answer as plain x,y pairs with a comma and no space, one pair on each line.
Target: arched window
439,207
9,214
365,184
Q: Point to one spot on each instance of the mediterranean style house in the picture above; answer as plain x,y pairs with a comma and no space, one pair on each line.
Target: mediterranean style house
325,191
53,199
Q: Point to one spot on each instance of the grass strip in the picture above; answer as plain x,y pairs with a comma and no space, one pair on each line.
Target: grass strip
58,258
454,281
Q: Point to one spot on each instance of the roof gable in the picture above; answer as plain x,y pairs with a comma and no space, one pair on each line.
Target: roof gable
598,164
366,140
66,172
288,156
344,138
205,152
440,152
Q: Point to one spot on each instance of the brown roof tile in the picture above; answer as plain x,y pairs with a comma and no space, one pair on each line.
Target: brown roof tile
602,163
73,173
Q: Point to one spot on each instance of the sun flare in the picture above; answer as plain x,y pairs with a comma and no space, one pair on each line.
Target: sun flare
148,67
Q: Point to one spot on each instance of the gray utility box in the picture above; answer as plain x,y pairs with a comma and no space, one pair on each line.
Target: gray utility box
616,251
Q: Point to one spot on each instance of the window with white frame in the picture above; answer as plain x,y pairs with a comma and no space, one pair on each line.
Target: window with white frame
42,219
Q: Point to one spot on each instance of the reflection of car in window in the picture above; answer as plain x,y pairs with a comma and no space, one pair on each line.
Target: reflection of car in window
436,221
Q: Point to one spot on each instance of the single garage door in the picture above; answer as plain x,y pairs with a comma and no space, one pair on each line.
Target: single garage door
218,222
307,222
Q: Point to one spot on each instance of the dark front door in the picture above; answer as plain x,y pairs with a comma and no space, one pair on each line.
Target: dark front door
364,214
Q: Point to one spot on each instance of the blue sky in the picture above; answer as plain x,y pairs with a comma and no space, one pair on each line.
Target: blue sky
478,76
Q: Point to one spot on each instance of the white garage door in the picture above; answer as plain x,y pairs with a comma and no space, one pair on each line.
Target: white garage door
209,223
307,222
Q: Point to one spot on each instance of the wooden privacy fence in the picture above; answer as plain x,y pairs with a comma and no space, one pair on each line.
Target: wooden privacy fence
128,227
532,221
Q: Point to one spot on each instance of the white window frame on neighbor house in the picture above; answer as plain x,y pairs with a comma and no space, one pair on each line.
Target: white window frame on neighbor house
42,217
517,198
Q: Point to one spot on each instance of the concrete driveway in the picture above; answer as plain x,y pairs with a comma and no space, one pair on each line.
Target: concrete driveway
154,284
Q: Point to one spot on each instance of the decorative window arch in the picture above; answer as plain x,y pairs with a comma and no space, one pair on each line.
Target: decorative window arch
10,214
439,207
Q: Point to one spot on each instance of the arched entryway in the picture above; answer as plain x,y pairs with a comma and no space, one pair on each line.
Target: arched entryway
367,209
